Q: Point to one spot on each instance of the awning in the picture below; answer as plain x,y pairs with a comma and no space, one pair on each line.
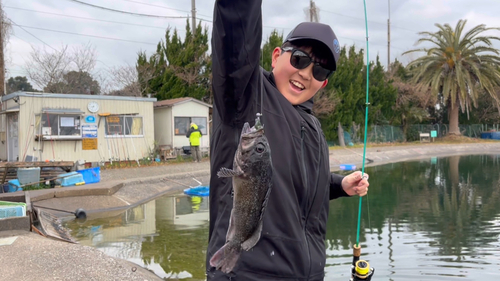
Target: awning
63,111
10,110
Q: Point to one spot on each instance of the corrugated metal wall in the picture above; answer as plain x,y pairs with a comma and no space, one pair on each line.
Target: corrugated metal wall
71,150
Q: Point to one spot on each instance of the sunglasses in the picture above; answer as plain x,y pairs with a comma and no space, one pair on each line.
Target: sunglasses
300,60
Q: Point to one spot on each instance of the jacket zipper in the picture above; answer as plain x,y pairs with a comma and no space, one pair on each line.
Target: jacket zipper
302,133
315,187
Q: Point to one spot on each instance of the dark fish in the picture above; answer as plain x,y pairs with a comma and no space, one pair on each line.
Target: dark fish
251,173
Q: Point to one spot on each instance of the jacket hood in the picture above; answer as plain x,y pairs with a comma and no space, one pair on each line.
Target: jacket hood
194,126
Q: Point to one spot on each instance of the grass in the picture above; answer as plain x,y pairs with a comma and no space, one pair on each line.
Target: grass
36,187
146,162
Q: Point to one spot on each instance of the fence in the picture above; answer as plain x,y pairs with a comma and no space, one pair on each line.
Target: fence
386,133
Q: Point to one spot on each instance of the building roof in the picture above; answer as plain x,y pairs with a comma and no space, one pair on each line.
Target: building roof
75,96
177,101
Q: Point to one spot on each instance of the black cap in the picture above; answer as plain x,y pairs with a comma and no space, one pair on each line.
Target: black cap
320,32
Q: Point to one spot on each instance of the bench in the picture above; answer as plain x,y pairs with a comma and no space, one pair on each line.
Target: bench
426,137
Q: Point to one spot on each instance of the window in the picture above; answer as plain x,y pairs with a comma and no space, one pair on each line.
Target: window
123,125
60,125
202,124
182,124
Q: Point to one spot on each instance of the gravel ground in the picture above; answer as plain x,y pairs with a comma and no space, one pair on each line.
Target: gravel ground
33,257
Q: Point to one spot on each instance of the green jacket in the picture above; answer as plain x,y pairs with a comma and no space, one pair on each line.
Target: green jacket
194,134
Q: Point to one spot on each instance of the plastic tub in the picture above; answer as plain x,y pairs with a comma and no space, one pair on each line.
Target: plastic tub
28,175
70,179
91,175
12,209
14,186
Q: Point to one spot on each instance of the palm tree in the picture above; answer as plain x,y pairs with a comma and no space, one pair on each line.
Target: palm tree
459,66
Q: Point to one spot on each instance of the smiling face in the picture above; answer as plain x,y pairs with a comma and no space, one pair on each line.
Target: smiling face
296,85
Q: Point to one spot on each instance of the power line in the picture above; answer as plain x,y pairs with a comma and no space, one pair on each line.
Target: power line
21,27
77,17
163,7
129,13
88,35
384,24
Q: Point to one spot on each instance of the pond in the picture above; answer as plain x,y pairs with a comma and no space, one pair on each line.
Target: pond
432,219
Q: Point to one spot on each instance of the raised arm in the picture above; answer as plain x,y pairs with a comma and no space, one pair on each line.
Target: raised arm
236,39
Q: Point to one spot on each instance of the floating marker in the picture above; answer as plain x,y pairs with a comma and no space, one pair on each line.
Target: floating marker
348,167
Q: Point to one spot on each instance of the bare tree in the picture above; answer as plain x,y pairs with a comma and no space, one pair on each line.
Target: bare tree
84,58
5,29
50,68
46,67
325,102
126,79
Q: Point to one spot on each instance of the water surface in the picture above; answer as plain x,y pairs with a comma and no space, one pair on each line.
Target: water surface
433,219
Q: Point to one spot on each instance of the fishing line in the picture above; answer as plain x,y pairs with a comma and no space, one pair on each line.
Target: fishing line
366,119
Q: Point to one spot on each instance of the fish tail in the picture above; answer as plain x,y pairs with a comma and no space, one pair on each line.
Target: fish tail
226,257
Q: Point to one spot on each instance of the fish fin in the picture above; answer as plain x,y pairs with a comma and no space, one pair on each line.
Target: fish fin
227,173
252,240
232,228
226,257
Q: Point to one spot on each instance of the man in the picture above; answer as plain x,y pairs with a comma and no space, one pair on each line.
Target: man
291,245
194,134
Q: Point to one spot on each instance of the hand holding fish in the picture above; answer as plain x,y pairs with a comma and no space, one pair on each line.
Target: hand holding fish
356,184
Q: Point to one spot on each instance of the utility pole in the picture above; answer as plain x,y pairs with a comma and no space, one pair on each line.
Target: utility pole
2,44
389,38
313,12
193,15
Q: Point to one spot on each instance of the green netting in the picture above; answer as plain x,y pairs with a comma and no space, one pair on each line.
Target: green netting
387,133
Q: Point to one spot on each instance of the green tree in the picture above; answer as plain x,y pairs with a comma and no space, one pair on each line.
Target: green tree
411,103
382,95
19,83
75,82
347,86
486,111
274,40
458,66
181,68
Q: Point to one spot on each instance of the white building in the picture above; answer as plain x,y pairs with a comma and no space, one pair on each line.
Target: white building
172,120
70,127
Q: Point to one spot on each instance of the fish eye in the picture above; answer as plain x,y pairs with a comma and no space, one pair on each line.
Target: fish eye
260,148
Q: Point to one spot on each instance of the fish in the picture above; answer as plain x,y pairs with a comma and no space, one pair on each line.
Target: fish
251,177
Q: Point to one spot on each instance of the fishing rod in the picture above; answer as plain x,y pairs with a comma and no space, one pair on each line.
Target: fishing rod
360,269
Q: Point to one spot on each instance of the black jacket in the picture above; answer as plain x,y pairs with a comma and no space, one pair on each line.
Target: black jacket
293,236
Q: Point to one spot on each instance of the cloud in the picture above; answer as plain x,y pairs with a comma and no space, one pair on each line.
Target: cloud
408,17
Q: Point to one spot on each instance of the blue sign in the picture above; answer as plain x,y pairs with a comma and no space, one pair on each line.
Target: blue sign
89,131
336,45
90,119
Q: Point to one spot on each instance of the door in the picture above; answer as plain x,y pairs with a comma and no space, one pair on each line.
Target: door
12,137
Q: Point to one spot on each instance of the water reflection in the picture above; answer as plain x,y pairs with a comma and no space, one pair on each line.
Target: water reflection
167,236
434,219
429,220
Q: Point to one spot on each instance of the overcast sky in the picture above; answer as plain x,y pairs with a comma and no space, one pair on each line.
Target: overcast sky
118,37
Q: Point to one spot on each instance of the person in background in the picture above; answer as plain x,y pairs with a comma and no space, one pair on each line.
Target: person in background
194,134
